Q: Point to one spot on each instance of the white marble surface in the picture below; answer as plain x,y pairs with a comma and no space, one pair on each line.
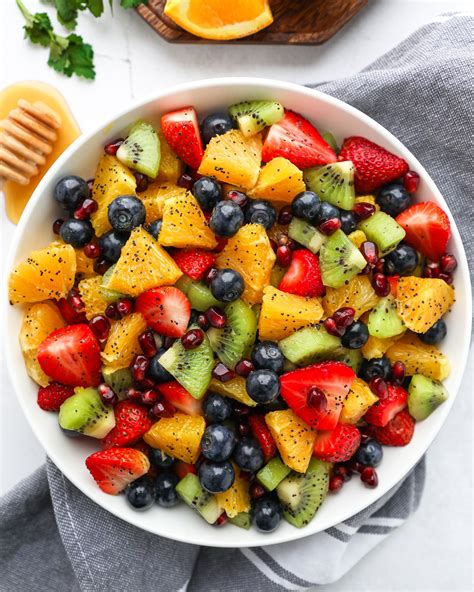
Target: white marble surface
433,551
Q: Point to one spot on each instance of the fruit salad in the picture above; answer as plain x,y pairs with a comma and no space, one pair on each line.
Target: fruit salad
241,313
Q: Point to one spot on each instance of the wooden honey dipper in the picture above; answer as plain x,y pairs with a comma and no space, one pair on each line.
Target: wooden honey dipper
26,138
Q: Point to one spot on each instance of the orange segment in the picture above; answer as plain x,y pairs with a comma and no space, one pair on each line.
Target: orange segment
279,181
357,402
84,265
155,196
357,293
234,389
237,498
91,295
180,436
122,344
171,166
376,347
419,357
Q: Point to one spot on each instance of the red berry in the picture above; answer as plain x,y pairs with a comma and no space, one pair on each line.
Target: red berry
209,275
222,373
237,197
335,483
282,239
243,368
107,394
57,225
343,317
381,284
101,266
70,315
369,477
112,147
316,399
332,328
398,372
150,397
142,182
52,396
216,317
100,326
221,520
448,263
134,395
92,250
163,409
186,181
411,180
363,210
285,216
343,471
203,322
355,466
139,368
124,306
370,252
147,343
379,387
379,266
330,226
192,338
284,255
111,312
446,277
88,207
256,490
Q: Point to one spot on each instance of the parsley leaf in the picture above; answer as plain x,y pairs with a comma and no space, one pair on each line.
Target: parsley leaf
66,11
96,7
131,3
38,27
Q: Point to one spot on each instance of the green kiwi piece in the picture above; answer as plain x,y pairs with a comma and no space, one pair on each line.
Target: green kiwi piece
273,473
383,230
85,413
184,283
118,380
200,297
277,275
253,116
333,183
192,368
190,491
242,520
424,396
306,234
301,495
107,294
340,260
384,320
351,357
231,343
141,149
308,345
331,140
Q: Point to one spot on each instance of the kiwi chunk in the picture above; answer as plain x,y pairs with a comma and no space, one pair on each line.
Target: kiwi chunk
273,473
424,396
306,234
301,495
351,357
384,320
340,260
192,368
200,297
333,183
190,491
106,293
231,343
308,345
253,116
118,380
242,520
383,230
141,149
331,140
85,413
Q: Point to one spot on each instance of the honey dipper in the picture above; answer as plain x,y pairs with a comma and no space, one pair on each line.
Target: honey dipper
26,137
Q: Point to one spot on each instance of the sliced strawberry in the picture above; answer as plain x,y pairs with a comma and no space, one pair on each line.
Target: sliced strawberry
427,228
181,130
398,431
179,397
182,468
331,379
374,165
263,435
294,138
166,310
51,397
303,277
385,409
131,422
113,469
71,355
393,281
337,445
194,262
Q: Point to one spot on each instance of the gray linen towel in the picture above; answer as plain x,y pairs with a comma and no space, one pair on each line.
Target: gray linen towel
54,538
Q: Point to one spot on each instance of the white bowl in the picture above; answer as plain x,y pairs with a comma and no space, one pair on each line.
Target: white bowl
34,231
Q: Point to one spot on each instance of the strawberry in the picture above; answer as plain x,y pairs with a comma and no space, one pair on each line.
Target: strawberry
51,397
194,262
179,397
374,165
303,277
181,130
71,355
182,468
385,409
131,422
337,445
263,435
393,281
294,138
165,309
113,469
398,431
316,393
427,228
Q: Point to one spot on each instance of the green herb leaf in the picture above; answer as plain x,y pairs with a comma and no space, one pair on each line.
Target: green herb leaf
71,55
96,7
131,3
38,28
66,11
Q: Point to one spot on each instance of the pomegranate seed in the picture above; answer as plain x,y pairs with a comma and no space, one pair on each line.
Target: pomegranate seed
209,275
343,317
57,225
150,397
332,328
285,216
335,483
355,466
274,245
90,185
379,387
247,475
70,315
367,269
75,301
163,409
111,312
241,410
112,147
243,368
216,317
370,252
257,490
411,181
448,263
343,472
369,477
316,399
292,244
142,182
140,367
222,373
379,266
237,197
192,338
447,277
168,342
147,343
398,372
243,429
221,520
134,394
124,306
330,226
284,255
221,243
145,385
381,284
107,394
195,176
88,207
100,326
282,239
363,210
101,266
203,322
185,181
92,250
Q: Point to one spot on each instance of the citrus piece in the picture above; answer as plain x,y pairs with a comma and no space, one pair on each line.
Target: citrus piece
237,498
171,166
357,293
179,436
234,389
279,181
154,198
122,343
84,264
419,357
357,402
91,291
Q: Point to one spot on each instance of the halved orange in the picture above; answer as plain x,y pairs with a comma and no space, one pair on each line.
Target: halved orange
214,19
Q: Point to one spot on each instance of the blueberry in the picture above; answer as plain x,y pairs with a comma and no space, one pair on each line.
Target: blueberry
370,453
267,514
217,442
393,199
248,454
326,212
306,205
227,217
76,232
111,244
70,192
156,371
165,489
126,212
356,335
154,228
267,355
216,477
216,408
227,285
160,458
348,222
208,192
376,367
401,261
435,333
263,386
216,124
260,211
140,494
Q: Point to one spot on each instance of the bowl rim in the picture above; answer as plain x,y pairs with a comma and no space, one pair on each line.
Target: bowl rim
259,84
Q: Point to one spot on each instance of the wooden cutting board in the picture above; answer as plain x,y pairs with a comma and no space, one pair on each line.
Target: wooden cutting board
296,22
